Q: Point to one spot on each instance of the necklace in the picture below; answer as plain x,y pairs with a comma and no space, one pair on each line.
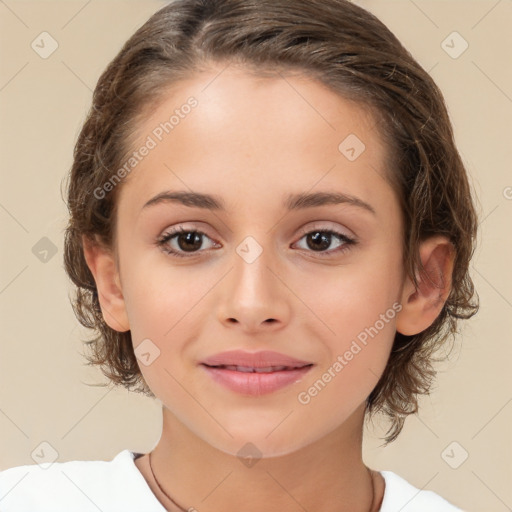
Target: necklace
185,510
160,487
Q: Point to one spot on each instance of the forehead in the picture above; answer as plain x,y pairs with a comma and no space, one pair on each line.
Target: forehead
231,130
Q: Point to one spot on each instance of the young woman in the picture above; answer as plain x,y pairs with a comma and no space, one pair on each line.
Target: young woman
270,233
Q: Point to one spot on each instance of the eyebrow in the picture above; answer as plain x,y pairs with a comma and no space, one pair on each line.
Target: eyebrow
292,201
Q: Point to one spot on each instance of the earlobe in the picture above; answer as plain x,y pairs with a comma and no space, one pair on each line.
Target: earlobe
102,264
421,306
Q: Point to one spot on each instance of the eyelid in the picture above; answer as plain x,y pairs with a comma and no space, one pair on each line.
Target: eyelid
327,226
304,230
185,227
181,228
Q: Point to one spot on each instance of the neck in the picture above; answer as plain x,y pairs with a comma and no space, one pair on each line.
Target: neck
326,476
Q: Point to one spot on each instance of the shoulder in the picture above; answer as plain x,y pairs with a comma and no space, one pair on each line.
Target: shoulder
77,485
399,494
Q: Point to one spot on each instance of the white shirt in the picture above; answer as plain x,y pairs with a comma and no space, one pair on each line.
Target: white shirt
118,486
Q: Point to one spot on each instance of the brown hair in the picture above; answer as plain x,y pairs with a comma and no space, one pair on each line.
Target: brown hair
346,48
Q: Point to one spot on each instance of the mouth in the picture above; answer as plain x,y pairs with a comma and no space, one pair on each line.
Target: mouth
255,374
239,360
254,369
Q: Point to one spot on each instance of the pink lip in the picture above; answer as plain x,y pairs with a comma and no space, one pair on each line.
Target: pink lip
262,359
280,371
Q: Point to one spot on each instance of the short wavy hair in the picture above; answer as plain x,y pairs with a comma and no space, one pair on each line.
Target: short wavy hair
347,49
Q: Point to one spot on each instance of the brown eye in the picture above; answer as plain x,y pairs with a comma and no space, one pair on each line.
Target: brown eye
186,241
319,240
189,241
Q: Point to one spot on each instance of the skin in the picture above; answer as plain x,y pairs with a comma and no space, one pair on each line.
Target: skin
252,141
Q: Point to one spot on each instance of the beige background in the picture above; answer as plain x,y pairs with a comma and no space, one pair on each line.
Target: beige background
44,391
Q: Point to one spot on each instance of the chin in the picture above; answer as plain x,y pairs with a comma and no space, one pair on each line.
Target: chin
259,444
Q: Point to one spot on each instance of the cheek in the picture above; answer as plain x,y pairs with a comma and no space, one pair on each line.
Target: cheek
345,301
163,309
355,310
357,353
158,296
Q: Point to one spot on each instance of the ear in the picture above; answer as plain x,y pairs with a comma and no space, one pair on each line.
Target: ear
102,264
420,307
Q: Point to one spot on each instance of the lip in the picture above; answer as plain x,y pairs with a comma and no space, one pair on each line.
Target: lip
255,373
261,359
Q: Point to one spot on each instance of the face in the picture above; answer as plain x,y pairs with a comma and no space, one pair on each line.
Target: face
313,280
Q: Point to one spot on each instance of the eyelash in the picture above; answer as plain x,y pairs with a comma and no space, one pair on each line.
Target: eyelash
163,240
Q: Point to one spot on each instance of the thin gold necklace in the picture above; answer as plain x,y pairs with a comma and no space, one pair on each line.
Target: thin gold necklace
186,510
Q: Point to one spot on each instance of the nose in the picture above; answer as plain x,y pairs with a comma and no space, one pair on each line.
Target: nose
253,296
